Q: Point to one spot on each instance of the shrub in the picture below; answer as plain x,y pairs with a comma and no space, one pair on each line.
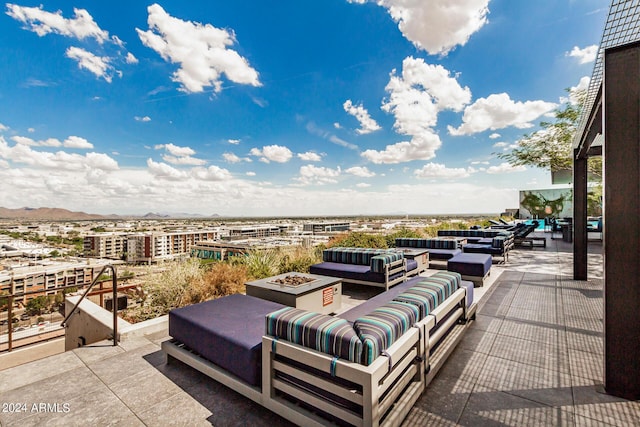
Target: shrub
358,239
300,259
262,263
402,233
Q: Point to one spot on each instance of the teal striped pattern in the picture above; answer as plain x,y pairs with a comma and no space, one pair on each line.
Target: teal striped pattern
412,242
425,302
330,335
430,292
379,262
382,327
454,278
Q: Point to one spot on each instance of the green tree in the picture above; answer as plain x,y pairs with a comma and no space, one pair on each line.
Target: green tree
551,147
36,305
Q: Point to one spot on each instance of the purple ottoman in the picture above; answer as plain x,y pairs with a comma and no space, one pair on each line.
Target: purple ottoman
473,267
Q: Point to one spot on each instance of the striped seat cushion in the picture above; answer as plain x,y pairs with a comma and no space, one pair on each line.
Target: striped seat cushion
452,276
382,327
330,335
379,262
425,302
358,256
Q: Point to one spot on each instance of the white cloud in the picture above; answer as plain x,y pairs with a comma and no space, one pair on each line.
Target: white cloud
142,119
310,156
41,22
3,127
367,124
363,185
311,174
179,155
70,142
436,170
201,50
495,136
272,153
436,26
130,59
498,111
415,99
250,173
505,146
96,64
337,125
315,130
60,160
212,173
505,168
420,147
176,150
233,141
362,172
163,170
232,158
584,55
77,142
183,160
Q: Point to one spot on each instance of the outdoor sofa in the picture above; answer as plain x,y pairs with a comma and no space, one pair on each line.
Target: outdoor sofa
366,266
473,236
365,367
498,246
439,249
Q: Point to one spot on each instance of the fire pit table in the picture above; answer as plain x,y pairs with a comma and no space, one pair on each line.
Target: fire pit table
321,294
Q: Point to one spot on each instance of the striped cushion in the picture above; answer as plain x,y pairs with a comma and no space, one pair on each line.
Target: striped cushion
425,302
320,332
452,276
379,262
426,243
440,288
498,242
382,327
358,256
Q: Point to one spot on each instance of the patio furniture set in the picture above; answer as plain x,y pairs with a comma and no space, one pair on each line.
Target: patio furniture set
366,366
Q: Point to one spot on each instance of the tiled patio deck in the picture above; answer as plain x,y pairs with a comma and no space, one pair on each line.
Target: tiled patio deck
533,357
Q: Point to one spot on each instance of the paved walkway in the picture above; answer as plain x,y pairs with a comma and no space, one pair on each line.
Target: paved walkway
533,357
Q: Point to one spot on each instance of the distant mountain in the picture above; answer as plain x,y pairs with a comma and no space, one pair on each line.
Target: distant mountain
48,213
58,214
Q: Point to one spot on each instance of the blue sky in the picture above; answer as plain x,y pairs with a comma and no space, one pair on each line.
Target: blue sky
330,107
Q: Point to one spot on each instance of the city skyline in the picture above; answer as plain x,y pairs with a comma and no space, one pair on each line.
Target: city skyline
249,109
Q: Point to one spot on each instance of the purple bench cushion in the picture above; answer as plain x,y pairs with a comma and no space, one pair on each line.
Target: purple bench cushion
349,271
226,331
470,264
382,327
469,286
327,334
443,254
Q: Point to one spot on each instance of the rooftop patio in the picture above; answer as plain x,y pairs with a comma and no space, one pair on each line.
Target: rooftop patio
533,356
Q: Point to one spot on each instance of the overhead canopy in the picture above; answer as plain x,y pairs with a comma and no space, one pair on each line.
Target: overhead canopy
622,27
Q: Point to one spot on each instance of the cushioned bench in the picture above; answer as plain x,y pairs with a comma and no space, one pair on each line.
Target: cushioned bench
226,331
367,266
473,236
471,266
318,368
439,249
494,246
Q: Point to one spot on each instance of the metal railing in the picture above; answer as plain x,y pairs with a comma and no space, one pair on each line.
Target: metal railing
114,279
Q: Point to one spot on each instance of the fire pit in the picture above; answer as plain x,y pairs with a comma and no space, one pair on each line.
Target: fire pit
293,280
313,292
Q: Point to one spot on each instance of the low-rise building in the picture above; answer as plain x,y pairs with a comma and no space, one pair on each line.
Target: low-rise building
157,246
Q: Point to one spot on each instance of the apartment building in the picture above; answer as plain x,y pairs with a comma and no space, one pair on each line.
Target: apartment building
158,246
46,277
106,245
326,226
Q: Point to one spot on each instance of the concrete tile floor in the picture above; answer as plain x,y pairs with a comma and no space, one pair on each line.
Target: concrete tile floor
533,357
